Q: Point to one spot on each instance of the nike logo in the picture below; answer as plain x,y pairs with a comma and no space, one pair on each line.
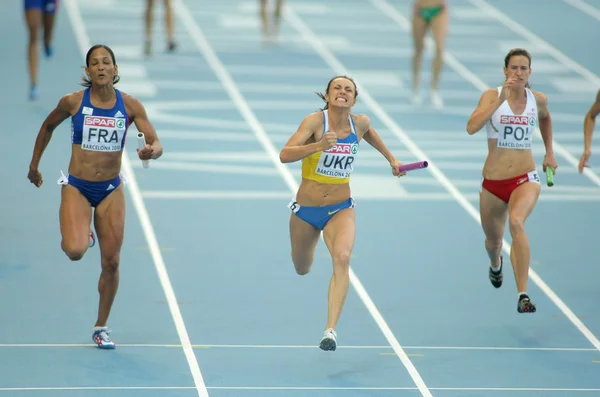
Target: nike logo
332,212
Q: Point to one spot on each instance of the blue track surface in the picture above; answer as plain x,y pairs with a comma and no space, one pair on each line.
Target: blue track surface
209,302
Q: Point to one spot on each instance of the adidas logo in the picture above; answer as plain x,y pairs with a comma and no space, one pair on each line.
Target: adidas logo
119,114
110,187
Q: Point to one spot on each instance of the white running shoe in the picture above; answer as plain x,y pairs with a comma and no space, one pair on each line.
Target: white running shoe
329,341
436,99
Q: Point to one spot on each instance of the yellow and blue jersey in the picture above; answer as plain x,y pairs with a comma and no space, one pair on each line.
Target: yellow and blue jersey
334,165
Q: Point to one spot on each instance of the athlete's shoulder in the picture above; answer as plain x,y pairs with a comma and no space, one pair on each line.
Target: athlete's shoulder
541,101
488,96
540,97
74,96
361,118
71,101
127,98
314,118
491,92
362,121
133,106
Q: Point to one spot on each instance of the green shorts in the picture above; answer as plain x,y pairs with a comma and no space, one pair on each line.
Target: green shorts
428,13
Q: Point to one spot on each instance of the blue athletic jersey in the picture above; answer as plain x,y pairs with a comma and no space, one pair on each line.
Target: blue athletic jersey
97,129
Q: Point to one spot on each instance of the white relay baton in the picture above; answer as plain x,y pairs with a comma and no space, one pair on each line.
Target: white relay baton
141,144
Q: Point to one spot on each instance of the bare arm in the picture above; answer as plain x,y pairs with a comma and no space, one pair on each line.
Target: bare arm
296,148
488,104
545,121
59,114
372,138
589,123
138,115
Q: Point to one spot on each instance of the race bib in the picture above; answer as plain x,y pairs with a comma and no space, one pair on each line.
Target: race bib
516,132
338,161
103,134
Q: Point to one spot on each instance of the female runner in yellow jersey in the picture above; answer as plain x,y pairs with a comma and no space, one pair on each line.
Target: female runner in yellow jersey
327,142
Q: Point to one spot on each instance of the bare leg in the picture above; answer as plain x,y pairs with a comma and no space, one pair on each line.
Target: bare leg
493,212
264,19
148,21
109,221
304,238
521,204
170,26
277,17
419,29
33,17
339,236
75,217
439,29
49,18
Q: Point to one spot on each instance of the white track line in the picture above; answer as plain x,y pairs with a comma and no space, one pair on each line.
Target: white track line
469,76
233,90
84,44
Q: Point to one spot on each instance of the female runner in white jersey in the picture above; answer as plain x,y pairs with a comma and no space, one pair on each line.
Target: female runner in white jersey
511,185
327,142
100,116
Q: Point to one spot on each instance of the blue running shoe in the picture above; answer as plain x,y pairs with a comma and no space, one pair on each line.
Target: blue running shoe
48,50
34,93
92,239
102,338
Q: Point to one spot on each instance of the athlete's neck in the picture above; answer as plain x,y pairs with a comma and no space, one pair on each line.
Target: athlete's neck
338,118
104,93
518,93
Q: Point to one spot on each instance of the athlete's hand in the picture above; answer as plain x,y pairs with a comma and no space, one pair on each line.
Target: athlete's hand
507,86
35,177
146,153
329,140
549,161
395,164
583,161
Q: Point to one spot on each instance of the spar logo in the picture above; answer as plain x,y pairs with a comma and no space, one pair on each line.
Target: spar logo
106,122
516,120
340,148
343,148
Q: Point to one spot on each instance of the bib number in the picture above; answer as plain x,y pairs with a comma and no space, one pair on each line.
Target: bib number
337,162
103,134
515,137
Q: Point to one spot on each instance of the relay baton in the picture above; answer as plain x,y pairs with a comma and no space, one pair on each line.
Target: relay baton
549,176
413,166
141,145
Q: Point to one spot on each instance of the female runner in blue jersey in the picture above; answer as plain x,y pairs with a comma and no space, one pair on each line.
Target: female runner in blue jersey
511,184
327,142
100,116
